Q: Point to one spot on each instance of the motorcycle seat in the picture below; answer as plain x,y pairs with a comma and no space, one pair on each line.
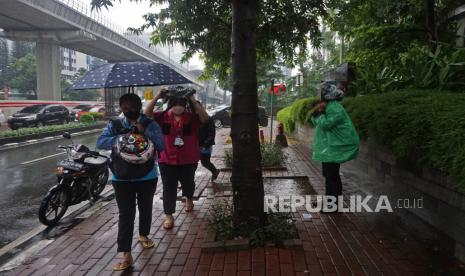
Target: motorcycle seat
95,160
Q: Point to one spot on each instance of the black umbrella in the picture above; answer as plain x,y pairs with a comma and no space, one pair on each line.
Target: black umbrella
129,74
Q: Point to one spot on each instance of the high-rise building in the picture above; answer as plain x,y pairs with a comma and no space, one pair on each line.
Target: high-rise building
71,61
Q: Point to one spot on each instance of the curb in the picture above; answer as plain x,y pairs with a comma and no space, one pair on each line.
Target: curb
16,252
46,139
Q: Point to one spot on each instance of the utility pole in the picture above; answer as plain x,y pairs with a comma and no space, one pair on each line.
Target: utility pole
341,50
271,101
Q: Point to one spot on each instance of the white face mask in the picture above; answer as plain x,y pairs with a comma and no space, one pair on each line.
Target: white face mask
178,110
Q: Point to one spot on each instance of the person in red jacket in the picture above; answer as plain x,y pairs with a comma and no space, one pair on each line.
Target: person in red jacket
179,159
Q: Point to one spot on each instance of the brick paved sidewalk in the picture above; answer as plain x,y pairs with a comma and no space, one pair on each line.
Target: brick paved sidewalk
334,244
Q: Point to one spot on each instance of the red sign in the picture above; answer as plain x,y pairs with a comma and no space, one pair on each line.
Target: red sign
277,89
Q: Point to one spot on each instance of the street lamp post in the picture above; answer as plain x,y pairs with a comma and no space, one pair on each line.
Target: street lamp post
271,107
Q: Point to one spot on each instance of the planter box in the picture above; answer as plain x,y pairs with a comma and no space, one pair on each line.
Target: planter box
19,139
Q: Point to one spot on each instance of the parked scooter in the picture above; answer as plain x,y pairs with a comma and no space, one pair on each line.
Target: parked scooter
82,175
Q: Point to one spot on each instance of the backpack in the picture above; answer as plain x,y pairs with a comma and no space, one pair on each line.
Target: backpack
132,155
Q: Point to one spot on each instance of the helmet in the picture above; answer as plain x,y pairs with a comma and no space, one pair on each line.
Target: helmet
134,148
178,94
329,91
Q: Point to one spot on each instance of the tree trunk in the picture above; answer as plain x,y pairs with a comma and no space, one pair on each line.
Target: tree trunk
247,173
431,22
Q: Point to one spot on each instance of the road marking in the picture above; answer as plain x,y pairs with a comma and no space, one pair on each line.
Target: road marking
42,158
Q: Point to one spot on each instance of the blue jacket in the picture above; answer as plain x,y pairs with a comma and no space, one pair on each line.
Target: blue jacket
153,132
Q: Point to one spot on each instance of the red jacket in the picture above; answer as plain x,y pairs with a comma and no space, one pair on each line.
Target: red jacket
188,131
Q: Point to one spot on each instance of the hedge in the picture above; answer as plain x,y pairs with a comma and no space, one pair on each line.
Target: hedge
284,117
299,112
86,118
38,130
424,126
97,115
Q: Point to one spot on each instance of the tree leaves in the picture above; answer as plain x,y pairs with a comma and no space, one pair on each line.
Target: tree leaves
284,29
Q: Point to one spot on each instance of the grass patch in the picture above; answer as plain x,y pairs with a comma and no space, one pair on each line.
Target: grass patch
272,155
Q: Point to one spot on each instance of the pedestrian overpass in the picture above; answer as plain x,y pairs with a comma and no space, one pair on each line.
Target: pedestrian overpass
72,24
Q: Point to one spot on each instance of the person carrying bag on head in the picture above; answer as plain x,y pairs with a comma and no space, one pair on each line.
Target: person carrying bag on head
178,162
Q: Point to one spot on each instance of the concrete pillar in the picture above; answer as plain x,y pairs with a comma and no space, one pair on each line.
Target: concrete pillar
48,71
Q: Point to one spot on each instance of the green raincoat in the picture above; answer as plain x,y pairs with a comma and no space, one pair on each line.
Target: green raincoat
335,139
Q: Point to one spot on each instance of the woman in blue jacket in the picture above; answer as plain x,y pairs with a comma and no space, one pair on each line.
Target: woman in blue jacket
127,191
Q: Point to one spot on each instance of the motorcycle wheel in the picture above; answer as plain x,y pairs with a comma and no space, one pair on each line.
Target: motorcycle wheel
100,183
53,207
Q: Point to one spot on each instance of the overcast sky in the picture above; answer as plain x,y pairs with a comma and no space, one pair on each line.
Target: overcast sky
129,14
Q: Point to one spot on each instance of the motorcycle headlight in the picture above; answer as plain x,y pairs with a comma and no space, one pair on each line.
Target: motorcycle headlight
76,155
60,170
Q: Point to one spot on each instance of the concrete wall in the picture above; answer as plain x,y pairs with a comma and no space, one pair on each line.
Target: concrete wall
376,171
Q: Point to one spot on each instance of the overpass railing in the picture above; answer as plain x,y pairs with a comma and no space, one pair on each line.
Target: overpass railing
105,21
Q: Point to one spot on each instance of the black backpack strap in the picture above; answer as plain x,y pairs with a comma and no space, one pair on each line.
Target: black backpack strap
118,127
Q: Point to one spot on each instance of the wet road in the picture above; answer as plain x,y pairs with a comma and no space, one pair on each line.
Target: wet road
26,174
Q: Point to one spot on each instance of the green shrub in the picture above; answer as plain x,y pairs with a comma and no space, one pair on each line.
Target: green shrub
375,79
424,126
284,117
36,130
423,68
277,227
98,116
298,112
86,118
417,67
272,155
228,157
302,107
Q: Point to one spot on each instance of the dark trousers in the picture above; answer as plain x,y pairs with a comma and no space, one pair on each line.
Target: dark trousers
126,194
171,175
205,160
333,179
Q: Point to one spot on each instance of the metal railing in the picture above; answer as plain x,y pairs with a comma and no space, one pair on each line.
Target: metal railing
86,10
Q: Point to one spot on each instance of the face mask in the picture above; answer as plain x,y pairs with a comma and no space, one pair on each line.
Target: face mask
178,110
131,115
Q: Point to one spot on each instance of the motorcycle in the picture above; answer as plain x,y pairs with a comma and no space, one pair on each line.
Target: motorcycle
82,175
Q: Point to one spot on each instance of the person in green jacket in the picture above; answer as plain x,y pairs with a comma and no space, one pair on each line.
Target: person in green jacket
335,139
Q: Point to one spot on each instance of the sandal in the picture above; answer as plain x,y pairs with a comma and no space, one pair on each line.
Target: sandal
189,205
146,243
122,265
168,223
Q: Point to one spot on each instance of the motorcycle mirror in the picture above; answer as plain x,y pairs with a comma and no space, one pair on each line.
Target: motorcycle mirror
66,135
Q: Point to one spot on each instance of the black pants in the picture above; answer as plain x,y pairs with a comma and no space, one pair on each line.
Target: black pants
126,194
171,175
205,160
333,179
